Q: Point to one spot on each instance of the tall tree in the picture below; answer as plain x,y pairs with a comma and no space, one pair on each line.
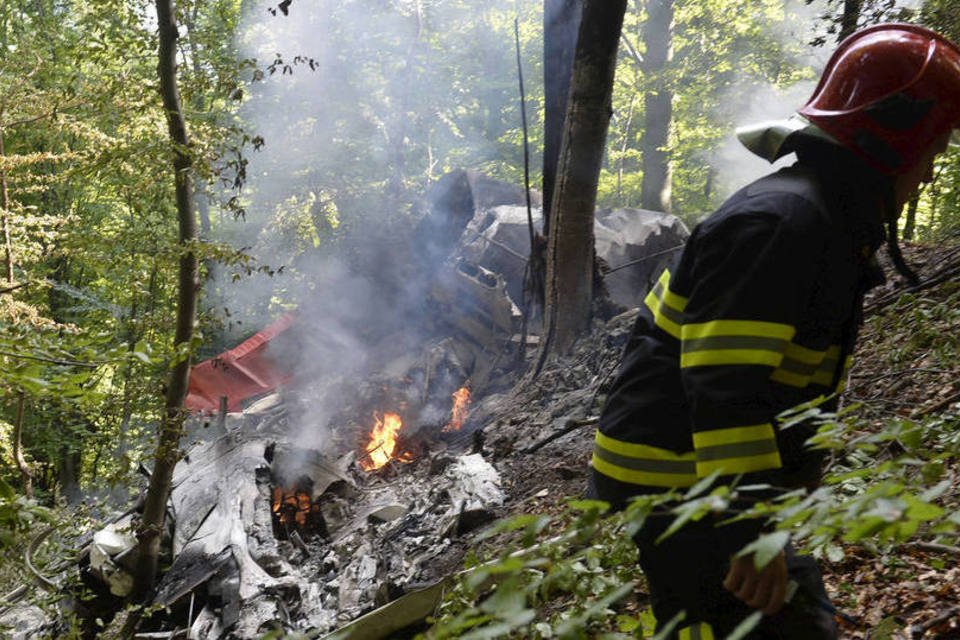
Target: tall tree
658,105
167,452
570,251
561,21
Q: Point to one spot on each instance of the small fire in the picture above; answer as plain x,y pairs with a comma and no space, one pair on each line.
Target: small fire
461,406
293,509
383,443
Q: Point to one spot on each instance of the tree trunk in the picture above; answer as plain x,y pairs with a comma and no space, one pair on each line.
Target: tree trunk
167,452
658,106
68,474
26,474
561,21
624,144
850,18
5,216
910,224
570,252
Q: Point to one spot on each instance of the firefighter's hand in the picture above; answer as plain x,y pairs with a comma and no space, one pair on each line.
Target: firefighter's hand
765,589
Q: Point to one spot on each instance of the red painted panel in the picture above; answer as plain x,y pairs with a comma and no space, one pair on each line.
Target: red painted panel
241,373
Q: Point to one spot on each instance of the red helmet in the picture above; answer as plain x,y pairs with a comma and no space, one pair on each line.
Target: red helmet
887,93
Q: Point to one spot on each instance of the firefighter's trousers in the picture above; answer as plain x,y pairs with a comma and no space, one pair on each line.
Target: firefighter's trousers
686,571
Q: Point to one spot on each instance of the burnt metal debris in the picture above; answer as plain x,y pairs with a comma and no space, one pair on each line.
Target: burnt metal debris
273,522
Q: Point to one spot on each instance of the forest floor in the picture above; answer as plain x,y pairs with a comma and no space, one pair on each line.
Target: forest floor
907,368
539,436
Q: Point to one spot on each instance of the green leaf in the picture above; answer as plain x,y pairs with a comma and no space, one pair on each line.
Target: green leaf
746,626
669,628
490,632
919,510
834,553
765,548
525,521
936,491
701,486
864,527
627,624
886,629
589,505
6,491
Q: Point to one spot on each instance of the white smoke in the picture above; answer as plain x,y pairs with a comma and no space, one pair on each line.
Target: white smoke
734,166
368,102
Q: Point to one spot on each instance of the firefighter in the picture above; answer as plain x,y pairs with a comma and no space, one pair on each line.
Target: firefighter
759,314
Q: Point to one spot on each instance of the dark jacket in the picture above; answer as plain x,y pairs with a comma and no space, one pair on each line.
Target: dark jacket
758,315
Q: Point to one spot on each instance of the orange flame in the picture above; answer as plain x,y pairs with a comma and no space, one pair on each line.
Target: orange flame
383,442
292,506
461,406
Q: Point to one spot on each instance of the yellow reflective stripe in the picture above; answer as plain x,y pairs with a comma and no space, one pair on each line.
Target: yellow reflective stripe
802,366
698,631
659,317
733,435
648,478
734,342
635,450
666,306
739,328
828,368
671,299
746,464
643,464
730,357
802,354
736,450
790,379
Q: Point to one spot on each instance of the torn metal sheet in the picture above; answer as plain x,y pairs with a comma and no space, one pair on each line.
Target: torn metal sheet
381,623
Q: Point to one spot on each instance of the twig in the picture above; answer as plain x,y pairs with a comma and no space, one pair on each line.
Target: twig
933,546
73,363
532,275
12,597
918,630
645,258
523,118
631,50
571,425
938,406
46,582
15,287
899,372
949,272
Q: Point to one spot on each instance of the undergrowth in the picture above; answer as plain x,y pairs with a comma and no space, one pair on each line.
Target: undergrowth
882,489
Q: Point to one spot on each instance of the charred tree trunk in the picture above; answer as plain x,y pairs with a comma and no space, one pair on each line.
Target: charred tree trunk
26,473
167,452
658,106
570,251
849,18
561,21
